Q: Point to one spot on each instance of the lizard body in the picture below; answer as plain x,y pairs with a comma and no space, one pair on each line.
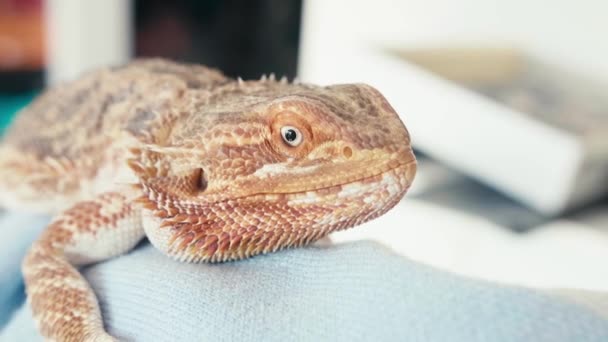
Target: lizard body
206,167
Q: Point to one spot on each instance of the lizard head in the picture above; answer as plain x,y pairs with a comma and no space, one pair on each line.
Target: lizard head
255,166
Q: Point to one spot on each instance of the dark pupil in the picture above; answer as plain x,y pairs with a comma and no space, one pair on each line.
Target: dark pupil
290,135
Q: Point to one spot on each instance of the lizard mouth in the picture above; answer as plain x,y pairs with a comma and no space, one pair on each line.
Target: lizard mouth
404,173
408,174
196,186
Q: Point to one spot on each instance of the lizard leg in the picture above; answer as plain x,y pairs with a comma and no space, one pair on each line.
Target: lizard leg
63,304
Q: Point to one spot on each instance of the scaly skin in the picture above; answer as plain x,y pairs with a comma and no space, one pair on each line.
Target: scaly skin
198,163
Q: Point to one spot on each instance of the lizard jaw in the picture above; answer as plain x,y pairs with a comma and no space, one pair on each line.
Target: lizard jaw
263,223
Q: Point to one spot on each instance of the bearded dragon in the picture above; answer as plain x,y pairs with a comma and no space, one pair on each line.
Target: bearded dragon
207,167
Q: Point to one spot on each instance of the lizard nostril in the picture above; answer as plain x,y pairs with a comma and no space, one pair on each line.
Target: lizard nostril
202,180
347,152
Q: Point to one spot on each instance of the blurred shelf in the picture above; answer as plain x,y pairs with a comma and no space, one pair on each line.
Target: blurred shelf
446,187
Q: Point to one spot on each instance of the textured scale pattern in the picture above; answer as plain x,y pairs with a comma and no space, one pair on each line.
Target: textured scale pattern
196,162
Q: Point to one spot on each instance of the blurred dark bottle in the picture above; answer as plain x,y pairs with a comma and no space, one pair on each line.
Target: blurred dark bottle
21,46
241,37
21,55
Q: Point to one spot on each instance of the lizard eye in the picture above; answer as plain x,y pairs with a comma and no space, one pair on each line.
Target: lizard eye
291,135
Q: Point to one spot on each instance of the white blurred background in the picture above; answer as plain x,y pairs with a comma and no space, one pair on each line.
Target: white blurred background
546,225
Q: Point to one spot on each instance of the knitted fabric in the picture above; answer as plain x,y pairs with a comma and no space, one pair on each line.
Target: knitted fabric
350,292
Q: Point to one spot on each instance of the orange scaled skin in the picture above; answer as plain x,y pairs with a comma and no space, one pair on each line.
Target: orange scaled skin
197,162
